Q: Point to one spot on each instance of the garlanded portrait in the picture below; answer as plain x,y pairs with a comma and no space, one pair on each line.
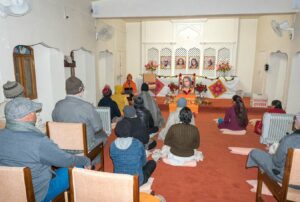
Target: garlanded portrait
194,62
180,62
165,62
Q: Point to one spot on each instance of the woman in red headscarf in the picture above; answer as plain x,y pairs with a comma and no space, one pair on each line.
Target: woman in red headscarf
129,85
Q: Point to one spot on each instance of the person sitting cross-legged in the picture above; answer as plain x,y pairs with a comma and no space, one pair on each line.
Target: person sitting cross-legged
24,145
106,101
128,154
273,164
183,139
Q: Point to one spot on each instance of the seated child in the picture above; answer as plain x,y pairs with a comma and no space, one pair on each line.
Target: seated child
128,154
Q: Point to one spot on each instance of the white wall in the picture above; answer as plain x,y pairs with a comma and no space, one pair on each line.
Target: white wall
246,53
46,23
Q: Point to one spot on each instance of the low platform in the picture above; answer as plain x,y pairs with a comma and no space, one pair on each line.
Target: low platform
215,106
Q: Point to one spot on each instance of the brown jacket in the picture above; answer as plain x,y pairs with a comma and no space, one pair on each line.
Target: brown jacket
183,139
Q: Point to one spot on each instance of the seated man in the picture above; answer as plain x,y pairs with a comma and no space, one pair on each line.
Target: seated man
174,118
128,154
23,145
74,109
144,115
274,164
138,129
106,101
183,139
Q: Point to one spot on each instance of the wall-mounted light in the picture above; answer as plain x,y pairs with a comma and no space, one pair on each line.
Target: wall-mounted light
14,7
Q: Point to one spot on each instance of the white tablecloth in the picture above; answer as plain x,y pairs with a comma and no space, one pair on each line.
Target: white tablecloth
232,86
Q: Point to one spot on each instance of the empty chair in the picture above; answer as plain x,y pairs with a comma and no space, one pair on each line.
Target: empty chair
16,184
275,127
72,136
88,185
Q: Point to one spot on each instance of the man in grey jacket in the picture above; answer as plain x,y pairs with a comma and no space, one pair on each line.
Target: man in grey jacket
73,109
274,164
23,145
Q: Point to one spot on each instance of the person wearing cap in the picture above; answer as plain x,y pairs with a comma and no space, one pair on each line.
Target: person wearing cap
24,145
151,105
138,129
119,98
11,90
106,101
273,164
128,154
74,109
144,115
174,118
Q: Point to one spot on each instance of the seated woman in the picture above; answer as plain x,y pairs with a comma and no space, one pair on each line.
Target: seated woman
128,154
273,165
174,118
144,115
275,108
129,87
182,138
152,106
187,87
106,101
236,118
119,98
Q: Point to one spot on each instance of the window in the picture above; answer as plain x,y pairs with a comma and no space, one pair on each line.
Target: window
24,70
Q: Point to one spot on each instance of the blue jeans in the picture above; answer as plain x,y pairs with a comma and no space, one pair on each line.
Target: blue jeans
58,184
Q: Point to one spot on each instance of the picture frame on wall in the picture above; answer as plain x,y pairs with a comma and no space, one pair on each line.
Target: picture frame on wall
180,62
209,62
194,62
165,62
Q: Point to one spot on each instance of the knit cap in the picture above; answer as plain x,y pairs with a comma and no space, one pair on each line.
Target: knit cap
74,85
106,91
181,102
123,128
12,89
129,111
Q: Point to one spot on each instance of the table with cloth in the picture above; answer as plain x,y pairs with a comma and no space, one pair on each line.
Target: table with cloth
216,88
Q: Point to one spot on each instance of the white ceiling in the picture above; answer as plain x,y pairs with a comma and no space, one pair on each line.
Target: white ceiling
190,8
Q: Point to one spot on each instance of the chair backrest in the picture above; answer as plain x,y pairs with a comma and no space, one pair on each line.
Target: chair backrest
104,113
16,184
92,186
294,178
275,127
69,136
149,78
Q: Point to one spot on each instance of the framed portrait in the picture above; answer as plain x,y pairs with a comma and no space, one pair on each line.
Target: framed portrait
209,62
165,62
194,62
180,62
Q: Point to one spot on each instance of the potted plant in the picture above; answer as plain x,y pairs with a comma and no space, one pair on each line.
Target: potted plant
151,66
223,67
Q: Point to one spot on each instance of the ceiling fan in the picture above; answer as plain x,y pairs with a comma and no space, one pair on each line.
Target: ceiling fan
14,7
278,28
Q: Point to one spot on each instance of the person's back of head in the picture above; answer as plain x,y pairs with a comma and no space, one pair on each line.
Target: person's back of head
129,112
185,115
13,89
123,128
277,104
181,102
145,87
74,86
106,91
240,111
138,102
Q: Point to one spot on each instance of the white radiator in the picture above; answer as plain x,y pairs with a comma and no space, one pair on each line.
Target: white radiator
275,127
104,113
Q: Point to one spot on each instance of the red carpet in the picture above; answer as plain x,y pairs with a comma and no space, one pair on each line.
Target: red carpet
220,177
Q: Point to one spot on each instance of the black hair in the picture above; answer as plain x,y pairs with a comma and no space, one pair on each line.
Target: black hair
185,115
145,87
277,104
138,102
240,111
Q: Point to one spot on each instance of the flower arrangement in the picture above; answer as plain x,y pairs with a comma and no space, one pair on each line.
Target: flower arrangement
173,87
223,67
151,65
200,88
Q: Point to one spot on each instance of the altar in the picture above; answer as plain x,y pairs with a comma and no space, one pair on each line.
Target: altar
230,85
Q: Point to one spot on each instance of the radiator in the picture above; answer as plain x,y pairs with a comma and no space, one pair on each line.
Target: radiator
104,113
275,127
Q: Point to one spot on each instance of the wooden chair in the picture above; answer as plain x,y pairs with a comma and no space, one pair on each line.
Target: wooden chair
16,184
282,192
72,136
88,185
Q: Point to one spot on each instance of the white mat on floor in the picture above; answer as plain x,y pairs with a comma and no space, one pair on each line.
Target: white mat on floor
146,188
240,150
265,190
